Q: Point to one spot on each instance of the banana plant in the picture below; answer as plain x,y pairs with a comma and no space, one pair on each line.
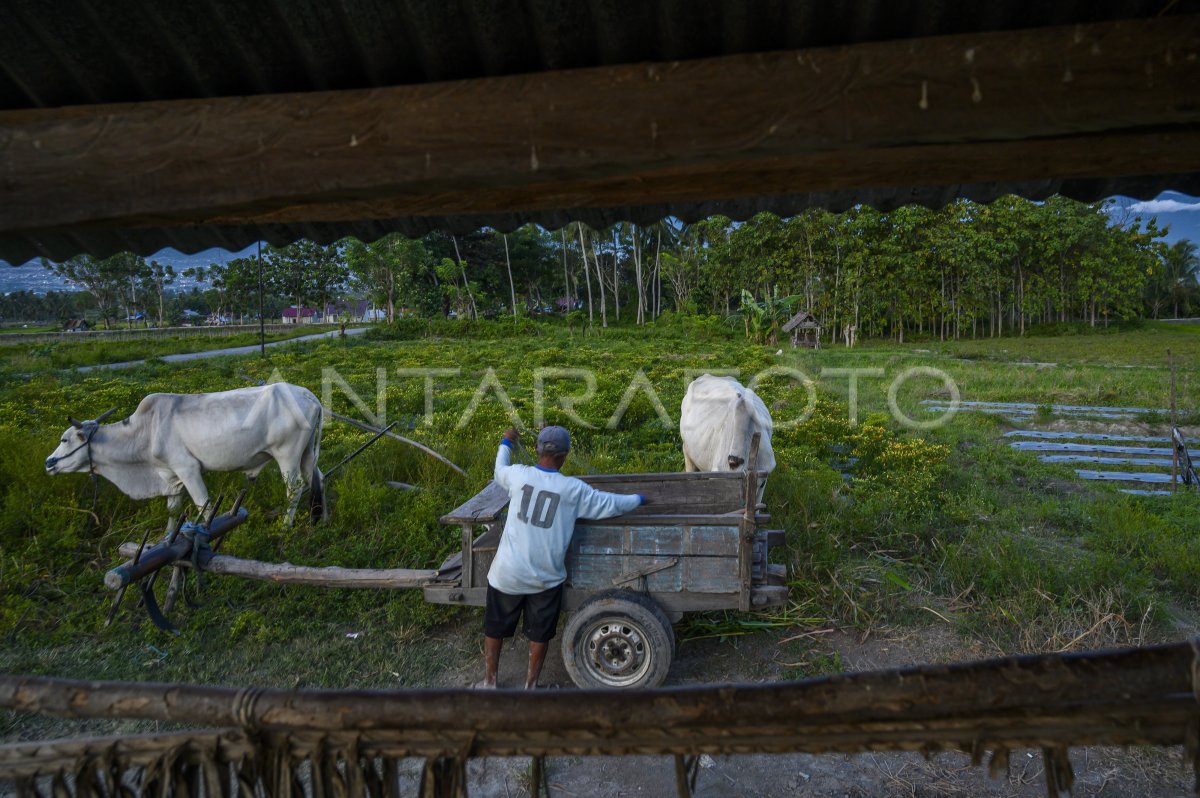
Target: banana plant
763,319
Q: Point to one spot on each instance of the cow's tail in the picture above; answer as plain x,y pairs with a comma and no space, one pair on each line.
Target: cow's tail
318,506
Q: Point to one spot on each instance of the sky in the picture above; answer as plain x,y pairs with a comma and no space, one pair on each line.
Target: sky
32,277
1179,213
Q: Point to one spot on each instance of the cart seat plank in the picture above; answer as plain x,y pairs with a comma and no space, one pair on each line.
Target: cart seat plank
482,507
488,541
453,562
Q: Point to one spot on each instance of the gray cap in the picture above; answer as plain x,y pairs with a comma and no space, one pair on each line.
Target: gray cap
553,440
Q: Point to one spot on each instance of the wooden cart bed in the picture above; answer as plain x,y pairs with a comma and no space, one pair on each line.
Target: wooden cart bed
693,546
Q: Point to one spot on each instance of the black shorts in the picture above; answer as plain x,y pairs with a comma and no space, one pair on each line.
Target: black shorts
540,610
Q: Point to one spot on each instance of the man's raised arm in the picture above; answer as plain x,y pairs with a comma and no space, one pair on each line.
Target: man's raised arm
504,455
597,504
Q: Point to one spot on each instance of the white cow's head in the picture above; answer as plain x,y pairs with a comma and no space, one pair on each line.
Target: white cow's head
73,447
739,442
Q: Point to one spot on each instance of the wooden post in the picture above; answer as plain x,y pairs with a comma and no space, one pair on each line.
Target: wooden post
468,558
747,527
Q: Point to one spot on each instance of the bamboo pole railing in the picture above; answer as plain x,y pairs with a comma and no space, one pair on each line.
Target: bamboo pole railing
1145,696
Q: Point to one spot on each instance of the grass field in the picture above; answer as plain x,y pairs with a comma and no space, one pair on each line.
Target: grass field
31,358
1144,346
944,526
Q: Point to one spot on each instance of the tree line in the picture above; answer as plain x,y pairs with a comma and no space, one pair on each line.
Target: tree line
964,270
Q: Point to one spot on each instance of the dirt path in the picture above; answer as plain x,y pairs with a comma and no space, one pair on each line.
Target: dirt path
1110,772
233,350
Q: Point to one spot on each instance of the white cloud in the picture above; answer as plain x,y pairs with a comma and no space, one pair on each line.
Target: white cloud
1163,206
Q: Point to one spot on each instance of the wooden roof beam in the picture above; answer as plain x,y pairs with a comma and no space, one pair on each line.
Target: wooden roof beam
1082,101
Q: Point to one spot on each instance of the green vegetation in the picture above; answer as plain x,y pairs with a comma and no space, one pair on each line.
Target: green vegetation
1143,344
66,354
28,329
949,525
964,271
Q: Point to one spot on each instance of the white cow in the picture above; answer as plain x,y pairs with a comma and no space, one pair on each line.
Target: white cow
171,439
717,420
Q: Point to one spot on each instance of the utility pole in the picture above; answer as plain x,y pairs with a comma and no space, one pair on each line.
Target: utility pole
262,323
508,263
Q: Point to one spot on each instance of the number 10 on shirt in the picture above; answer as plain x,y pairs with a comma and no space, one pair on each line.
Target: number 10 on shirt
545,505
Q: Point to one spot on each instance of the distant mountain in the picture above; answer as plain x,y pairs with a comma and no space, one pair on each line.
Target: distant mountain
32,277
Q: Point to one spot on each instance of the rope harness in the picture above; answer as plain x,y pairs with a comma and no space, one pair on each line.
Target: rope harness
89,429
201,539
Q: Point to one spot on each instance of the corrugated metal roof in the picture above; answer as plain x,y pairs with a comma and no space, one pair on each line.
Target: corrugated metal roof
79,52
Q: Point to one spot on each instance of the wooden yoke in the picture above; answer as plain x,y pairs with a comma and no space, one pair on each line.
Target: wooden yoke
746,544
167,553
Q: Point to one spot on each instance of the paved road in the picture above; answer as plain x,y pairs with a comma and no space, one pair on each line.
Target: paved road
234,350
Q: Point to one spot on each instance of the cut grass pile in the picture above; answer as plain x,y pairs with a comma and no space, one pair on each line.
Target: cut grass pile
945,526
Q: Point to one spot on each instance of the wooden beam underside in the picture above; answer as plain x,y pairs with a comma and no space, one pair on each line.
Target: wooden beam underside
1092,101
1130,697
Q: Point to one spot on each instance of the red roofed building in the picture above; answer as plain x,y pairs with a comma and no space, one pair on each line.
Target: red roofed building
294,315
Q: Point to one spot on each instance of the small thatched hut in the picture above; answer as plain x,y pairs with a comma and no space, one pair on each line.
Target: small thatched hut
805,330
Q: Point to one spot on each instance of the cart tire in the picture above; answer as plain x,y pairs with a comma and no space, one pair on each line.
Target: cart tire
619,639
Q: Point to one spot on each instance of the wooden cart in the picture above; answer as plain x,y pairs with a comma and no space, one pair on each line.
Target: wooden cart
696,545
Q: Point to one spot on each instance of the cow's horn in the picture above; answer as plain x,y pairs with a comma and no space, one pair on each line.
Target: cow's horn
74,423
105,415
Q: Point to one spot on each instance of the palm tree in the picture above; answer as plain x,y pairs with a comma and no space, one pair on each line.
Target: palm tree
1183,273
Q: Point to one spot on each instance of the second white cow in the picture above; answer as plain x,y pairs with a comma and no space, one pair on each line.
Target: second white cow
717,420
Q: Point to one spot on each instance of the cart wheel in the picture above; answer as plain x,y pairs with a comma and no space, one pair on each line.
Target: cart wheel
618,639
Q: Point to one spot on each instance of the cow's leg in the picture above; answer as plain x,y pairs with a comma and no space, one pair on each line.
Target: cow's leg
688,465
293,479
174,506
193,483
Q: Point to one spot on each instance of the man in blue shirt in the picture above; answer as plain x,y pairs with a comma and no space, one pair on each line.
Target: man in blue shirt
527,576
